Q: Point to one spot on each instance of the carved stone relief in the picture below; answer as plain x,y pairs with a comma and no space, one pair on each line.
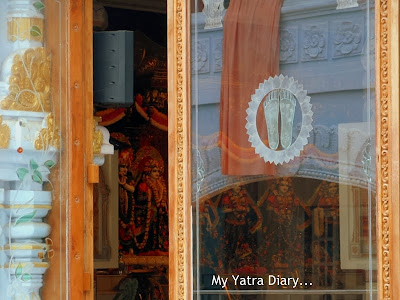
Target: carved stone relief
217,51
315,40
288,45
213,9
348,39
201,56
325,138
200,171
343,4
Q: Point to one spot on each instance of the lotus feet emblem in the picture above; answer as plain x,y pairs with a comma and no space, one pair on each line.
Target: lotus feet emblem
279,96
280,105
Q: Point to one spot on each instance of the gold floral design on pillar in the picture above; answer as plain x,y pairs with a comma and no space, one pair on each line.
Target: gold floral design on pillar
25,29
97,138
4,134
30,82
48,137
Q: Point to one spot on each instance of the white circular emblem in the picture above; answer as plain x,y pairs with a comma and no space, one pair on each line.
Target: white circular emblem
282,93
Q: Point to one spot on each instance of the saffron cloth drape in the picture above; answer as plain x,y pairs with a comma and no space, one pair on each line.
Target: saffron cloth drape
250,55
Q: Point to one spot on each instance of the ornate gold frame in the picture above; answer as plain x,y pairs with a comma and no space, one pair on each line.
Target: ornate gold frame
387,112
180,283
387,126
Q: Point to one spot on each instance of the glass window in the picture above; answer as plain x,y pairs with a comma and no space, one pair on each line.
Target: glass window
283,133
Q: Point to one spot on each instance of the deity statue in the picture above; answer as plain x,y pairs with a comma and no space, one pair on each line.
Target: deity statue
327,236
285,249
151,209
126,198
208,224
143,213
209,217
241,218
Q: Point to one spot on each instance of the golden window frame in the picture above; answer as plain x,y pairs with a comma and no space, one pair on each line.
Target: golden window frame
387,148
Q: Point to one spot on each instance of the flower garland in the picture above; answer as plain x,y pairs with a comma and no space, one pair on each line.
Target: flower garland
283,206
143,243
159,191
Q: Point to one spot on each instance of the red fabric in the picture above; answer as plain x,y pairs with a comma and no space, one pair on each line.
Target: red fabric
250,55
110,116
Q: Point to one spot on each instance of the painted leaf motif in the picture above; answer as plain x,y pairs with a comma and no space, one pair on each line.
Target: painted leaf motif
21,172
33,164
26,218
37,177
38,5
35,31
26,277
49,164
18,271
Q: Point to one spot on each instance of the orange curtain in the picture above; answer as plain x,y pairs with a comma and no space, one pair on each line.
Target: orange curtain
250,55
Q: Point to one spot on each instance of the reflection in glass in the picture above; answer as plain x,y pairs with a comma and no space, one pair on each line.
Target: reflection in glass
279,108
343,4
213,10
305,228
271,112
250,55
287,107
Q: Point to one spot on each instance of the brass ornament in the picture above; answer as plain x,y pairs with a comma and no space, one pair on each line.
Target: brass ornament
97,138
4,135
48,137
25,29
30,82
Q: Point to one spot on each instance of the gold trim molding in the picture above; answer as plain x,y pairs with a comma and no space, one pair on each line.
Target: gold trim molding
48,137
180,286
387,134
97,138
145,260
25,29
5,135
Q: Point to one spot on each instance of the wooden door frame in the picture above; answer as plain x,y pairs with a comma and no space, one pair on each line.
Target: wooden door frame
80,150
80,256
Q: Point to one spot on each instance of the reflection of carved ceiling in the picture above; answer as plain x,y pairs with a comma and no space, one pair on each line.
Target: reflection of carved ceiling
159,6
324,158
